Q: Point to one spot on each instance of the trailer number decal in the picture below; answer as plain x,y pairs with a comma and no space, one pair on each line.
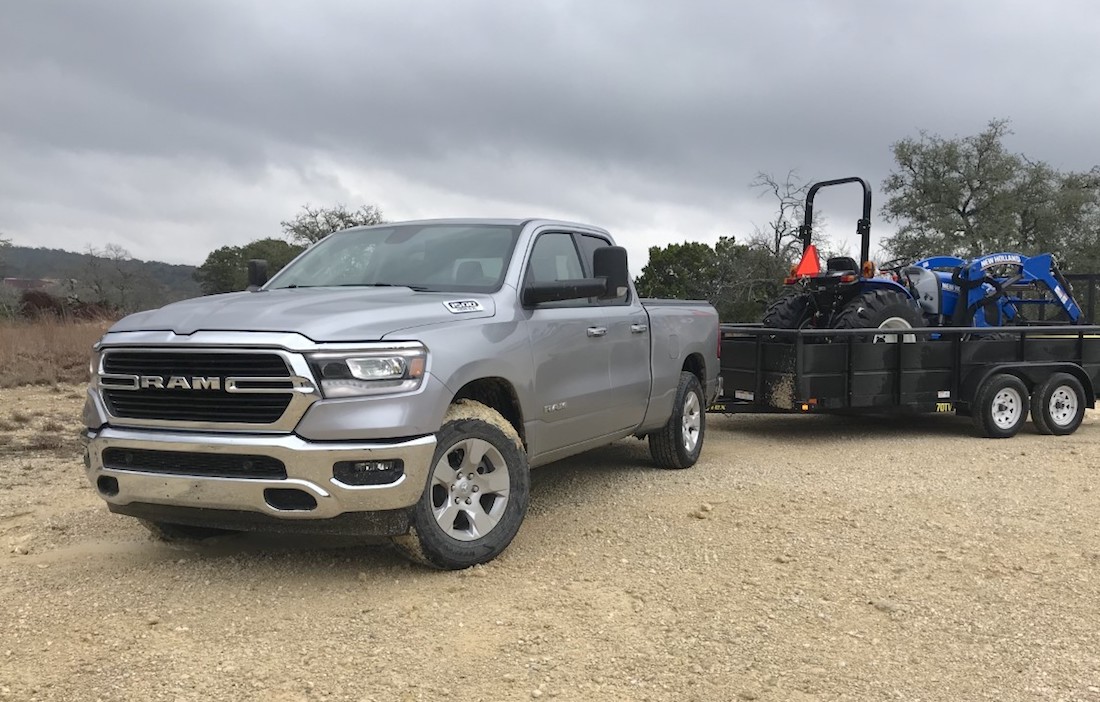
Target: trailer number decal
945,407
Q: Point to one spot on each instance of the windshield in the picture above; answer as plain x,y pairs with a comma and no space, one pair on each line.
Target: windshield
424,257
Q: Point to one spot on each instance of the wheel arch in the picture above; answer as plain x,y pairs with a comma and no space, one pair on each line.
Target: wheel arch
697,366
499,394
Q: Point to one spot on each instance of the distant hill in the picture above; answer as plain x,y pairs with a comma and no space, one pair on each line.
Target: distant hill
145,283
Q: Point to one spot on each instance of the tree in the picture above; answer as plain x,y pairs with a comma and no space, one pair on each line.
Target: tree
4,243
779,236
313,224
969,196
225,269
738,279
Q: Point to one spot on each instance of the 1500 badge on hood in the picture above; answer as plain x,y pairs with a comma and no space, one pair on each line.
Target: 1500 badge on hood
460,306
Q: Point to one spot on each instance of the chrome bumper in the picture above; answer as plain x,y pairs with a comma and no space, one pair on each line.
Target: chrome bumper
309,468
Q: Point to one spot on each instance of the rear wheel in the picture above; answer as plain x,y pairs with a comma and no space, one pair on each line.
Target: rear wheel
678,443
1000,407
790,312
1058,405
881,309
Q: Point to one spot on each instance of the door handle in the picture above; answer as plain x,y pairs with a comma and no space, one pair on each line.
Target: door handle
639,328
597,331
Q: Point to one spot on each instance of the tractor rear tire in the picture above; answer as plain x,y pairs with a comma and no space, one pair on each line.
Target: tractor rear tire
881,309
790,312
1000,407
1058,405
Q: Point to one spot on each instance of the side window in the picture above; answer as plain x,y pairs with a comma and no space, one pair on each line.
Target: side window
554,258
589,244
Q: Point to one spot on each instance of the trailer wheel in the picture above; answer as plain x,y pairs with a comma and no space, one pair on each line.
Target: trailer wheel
678,443
477,491
1058,405
790,312
881,309
1001,406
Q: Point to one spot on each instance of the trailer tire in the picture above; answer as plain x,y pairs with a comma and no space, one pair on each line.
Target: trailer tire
789,312
492,497
1058,405
678,443
1000,407
881,309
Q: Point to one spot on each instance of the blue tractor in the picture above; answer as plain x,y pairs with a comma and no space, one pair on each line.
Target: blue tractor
991,291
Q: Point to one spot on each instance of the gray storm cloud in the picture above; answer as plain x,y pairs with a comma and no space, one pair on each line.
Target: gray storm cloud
173,128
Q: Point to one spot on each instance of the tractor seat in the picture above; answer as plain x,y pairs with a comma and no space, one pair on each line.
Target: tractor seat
841,264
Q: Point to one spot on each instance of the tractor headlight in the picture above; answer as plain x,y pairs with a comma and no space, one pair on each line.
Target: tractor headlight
387,368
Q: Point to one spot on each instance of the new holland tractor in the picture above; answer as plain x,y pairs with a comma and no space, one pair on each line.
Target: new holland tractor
989,291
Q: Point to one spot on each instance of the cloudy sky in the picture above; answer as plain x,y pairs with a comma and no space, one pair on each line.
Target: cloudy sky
172,128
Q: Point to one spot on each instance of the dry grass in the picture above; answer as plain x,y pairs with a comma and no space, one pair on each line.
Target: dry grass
46,351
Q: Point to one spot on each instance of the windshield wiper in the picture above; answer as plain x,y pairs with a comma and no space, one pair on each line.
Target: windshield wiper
415,288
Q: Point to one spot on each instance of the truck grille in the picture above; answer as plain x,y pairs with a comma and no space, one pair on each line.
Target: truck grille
218,465
256,365
197,405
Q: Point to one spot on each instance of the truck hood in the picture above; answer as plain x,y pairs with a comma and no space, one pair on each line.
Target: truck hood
321,314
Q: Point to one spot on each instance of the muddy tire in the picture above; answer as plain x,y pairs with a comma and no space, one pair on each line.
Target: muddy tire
1000,407
1058,405
678,443
476,495
182,533
881,309
790,312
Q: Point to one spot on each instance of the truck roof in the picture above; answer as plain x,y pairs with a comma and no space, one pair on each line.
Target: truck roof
514,222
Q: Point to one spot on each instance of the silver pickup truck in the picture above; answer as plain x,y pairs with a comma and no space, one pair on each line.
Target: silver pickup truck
396,380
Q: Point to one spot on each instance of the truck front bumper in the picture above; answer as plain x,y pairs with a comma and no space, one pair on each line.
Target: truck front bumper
310,490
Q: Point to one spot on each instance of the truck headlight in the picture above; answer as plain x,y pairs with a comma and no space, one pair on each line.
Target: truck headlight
370,371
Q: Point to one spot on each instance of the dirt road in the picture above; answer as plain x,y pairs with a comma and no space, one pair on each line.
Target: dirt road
804,558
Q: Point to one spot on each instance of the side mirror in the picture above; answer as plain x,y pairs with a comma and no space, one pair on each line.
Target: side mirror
609,263
257,274
563,290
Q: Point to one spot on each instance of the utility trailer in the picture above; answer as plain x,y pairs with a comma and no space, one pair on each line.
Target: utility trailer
995,376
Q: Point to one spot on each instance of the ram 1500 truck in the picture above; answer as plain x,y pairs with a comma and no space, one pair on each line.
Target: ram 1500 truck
395,380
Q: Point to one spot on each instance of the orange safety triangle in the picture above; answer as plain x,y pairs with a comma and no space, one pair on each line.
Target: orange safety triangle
810,263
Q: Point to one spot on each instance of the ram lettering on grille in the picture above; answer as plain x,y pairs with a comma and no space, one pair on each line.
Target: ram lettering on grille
177,382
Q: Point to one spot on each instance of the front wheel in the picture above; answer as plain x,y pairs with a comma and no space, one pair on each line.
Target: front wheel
1058,405
678,443
1001,406
477,491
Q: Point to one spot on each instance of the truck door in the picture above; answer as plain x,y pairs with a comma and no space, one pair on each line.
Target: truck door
570,350
628,337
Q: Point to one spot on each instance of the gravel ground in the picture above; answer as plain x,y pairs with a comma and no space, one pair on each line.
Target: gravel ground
803,558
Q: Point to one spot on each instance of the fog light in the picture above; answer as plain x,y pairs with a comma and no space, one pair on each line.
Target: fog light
368,472
107,486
